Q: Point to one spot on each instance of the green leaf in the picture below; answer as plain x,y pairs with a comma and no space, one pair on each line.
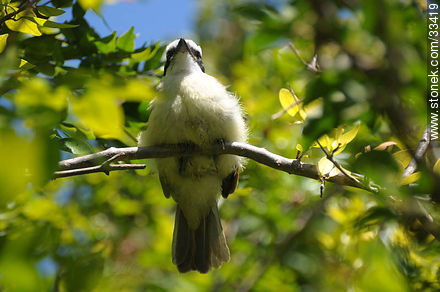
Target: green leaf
145,55
107,44
3,39
77,146
50,11
126,41
53,24
73,129
62,3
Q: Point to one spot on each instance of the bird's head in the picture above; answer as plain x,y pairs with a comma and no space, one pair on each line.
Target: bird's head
183,56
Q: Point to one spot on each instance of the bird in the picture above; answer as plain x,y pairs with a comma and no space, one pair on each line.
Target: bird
194,109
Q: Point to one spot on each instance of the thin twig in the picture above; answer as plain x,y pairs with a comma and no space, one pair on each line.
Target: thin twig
95,169
335,163
282,112
312,66
21,8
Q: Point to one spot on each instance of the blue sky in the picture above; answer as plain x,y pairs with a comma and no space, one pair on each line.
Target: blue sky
153,20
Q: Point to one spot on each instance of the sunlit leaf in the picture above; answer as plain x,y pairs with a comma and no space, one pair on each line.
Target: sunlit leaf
20,166
3,39
100,113
36,92
403,157
412,178
302,114
314,108
324,141
24,23
350,135
25,65
436,167
325,166
5,2
138,90
90,4
335,171
287,100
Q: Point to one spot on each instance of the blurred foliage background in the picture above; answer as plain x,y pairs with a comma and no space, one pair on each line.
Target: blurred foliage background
66,91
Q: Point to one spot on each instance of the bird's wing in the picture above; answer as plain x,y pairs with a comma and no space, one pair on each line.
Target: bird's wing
230,183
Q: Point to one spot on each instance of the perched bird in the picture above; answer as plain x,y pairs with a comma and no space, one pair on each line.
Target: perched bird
194,108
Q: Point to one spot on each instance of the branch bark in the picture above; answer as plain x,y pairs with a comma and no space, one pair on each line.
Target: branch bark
260,155
418,154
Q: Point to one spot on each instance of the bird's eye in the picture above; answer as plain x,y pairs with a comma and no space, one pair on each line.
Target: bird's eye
196,54
170,53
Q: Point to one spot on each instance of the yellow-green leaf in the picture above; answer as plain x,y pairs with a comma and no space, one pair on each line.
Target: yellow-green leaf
137,90
25,65
146,54
90,4
24,23
314,108
3,39
299,147
338,133
436,167
340,149
403,157
412,178
287,99
350,135
325,166
37,92
302,113
324,141
335,171
98,110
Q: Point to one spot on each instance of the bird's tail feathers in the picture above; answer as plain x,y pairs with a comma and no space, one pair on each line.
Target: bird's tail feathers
202,248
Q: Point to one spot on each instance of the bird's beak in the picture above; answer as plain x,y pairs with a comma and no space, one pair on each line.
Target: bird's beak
182,46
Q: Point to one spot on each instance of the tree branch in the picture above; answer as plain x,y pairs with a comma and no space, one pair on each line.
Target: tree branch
260,155
418,154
